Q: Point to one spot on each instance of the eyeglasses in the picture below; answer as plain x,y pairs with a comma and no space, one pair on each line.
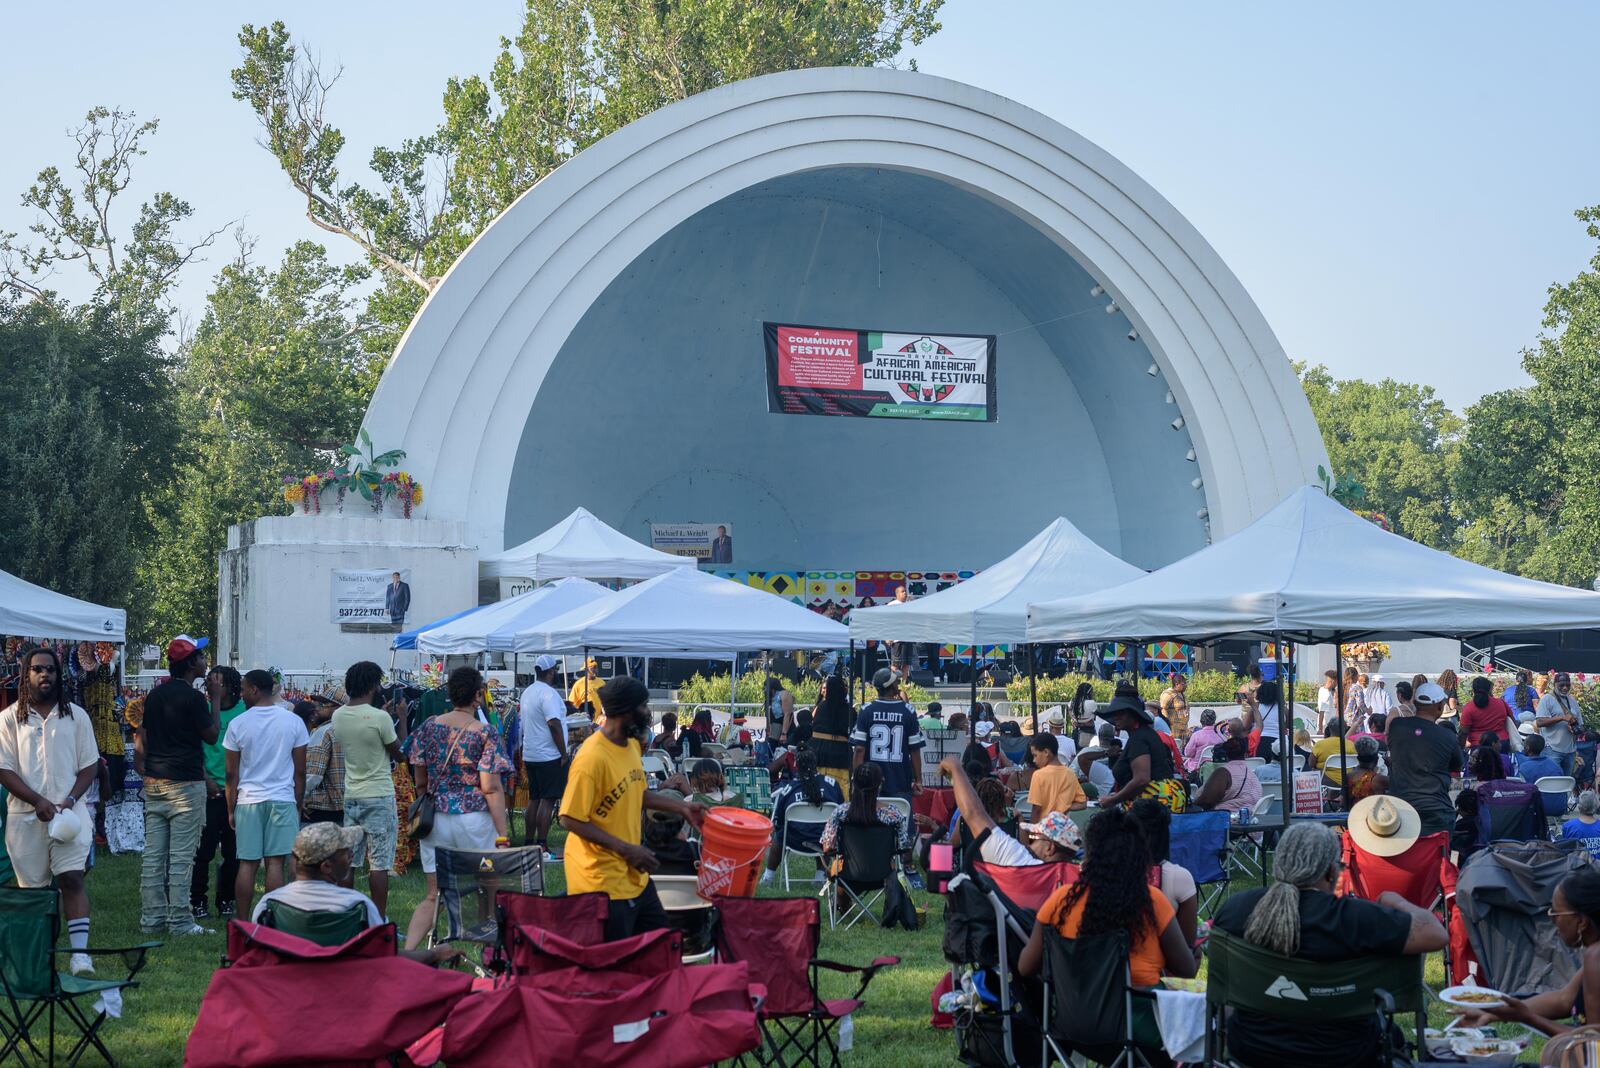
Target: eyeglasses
1552,913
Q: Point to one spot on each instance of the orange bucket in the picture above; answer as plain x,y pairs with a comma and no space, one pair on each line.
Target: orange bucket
733,845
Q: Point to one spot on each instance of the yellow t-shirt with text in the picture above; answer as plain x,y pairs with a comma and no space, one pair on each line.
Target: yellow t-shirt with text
605,787
587,691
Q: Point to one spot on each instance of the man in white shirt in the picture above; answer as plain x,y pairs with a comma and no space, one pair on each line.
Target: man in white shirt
1054,838
323,853
265,748
544,751
48,758
1378,699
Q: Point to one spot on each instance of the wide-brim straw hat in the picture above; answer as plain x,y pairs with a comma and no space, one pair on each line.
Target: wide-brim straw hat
1384,826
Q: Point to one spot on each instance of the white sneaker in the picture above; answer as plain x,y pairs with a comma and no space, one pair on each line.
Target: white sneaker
81,964
767,877
192,929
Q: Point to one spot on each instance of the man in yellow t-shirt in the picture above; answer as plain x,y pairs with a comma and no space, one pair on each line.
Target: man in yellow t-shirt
586,691
603,809
1054,787
1325,750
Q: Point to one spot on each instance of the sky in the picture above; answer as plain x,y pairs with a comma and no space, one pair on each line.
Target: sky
1393,183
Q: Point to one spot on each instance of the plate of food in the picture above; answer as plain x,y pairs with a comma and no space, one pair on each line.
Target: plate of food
1472,998
1473,1049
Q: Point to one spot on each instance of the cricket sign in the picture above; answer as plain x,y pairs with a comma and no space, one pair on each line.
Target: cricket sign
817,370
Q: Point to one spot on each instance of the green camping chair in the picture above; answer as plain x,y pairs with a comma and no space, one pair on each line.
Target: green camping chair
30,925
1240,975
323,928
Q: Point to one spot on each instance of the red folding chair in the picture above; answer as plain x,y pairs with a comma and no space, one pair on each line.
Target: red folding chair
362,1003
1423,875
779,938
536,953
579,918
1027,887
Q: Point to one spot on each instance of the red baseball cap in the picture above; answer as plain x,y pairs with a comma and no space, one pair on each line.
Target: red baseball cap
183,647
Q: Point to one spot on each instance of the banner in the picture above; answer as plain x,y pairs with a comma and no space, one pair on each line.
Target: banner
711,542
371,595
815,370
1308,791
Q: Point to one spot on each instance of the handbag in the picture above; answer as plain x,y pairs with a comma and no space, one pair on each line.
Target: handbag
419,816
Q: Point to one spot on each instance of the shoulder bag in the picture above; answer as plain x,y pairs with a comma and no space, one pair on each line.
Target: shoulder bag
419,817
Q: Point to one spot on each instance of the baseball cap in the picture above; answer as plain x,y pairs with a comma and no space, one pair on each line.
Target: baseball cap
1429,693
885,678
1059,829
546,662
316,842
983,729
183,647
592,662
1011,729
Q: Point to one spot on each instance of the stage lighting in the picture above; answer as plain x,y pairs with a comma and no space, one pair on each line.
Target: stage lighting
1111,309
1152,370
1203,513
1189,456
1197,482
1097,291
1169,396
1177,424
1133,335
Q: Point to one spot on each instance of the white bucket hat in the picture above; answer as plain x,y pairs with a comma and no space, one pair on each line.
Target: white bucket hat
1384,826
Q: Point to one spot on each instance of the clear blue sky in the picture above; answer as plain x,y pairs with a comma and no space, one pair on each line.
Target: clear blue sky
1394,183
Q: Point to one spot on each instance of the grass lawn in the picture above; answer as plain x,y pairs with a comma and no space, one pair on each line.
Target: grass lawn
892,1030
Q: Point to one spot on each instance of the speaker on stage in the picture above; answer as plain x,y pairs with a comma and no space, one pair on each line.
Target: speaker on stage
925,679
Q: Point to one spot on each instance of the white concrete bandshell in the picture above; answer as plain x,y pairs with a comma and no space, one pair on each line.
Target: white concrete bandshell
458,393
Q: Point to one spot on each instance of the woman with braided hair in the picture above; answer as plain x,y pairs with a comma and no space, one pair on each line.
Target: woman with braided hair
1113,894
1299,916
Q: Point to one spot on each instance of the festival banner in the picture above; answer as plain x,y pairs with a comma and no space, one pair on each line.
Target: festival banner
815,370
371,595
710,542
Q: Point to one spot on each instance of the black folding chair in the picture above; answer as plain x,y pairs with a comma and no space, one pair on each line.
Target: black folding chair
868,856
476,876
1089,1000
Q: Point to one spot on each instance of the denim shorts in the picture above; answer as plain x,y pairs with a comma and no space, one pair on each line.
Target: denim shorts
381,820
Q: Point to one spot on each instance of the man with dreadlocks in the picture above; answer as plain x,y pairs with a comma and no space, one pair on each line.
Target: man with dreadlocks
48,758
1300,916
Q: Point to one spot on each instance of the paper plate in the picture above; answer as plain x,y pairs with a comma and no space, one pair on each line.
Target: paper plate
1471,997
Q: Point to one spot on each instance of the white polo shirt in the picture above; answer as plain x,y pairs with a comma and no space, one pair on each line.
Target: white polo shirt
46,754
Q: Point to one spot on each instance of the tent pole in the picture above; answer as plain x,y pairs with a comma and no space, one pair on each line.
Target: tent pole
733,694
1285,714
1033,683
1494,650
1344,772
972,699
766,681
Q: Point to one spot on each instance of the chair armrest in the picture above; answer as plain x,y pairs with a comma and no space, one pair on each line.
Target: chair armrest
132,956
877,963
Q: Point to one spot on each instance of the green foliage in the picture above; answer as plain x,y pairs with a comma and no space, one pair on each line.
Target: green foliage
87,432
274,379
1393,446
574,72
1206,687
713,690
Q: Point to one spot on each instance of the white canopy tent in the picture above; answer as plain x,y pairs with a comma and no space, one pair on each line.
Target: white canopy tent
34,612
475,631
1311,570
991,608
687,613
581,546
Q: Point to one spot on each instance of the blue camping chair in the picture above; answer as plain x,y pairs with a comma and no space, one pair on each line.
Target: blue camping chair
1200,844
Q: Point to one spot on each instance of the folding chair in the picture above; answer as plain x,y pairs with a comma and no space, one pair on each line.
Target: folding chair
899,804
544,957
1243,976
579,918
806,815
778,938
1510,812
657,766
481,875
688,913
1089,1000
712,751
752,783
1199,842
321,928
30,925
868,856
1421,875
1554,792
735,754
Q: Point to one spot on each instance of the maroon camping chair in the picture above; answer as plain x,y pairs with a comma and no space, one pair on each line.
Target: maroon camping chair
285,1000
683,1018
779,939
579,918
1423,875
542,956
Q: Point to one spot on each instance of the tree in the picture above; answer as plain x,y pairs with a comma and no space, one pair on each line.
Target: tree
1396,441
576,71
75,224
87,433
274,380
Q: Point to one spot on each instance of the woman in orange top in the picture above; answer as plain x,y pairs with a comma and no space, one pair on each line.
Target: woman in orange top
1113,893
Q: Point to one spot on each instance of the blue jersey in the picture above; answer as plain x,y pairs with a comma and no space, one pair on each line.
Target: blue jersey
889,732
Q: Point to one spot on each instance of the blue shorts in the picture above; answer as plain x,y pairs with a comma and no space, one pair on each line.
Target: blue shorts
265,829
379,817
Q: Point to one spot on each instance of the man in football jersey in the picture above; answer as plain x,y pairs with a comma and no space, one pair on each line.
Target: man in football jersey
887,734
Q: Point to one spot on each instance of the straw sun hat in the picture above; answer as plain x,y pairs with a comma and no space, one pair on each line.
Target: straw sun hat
1384,826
